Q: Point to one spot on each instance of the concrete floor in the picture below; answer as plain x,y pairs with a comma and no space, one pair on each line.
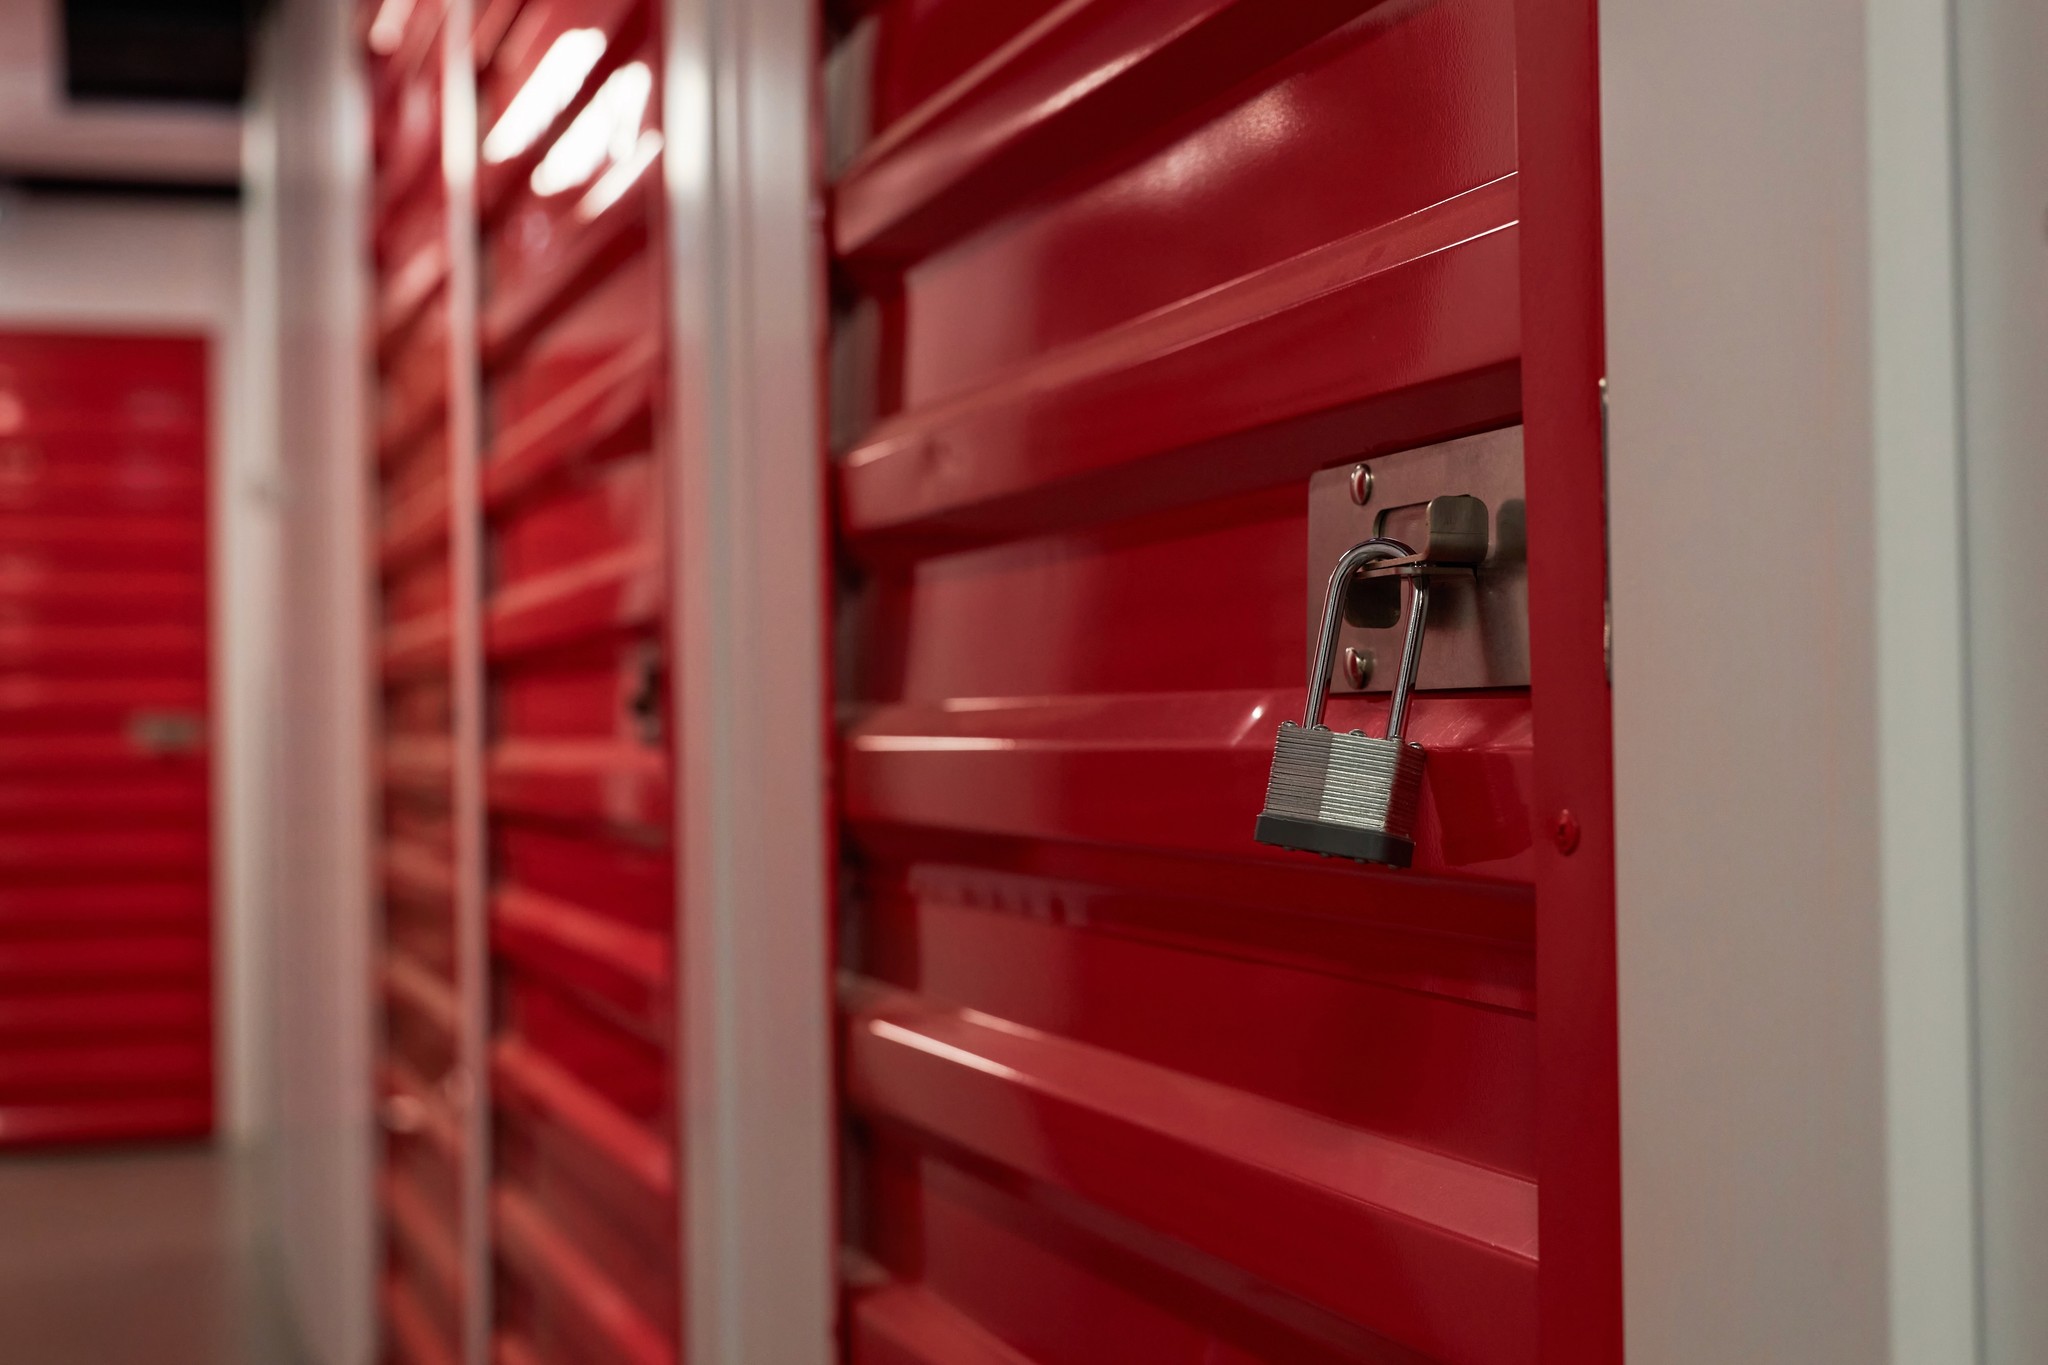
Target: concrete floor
133,1258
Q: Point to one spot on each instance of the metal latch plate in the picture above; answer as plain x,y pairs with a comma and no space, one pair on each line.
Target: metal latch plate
1478,622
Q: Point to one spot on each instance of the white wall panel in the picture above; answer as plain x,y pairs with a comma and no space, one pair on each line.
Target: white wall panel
306,190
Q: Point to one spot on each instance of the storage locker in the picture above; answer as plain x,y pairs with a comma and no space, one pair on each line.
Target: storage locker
106,904
526,575
1111,283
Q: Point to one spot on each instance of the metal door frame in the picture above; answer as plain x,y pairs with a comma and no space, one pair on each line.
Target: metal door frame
752,689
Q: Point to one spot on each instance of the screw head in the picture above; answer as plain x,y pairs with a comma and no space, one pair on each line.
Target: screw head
1361,484
1564,832
1358,667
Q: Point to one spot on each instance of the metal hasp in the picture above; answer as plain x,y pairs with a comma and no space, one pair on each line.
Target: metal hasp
1351,795
1461,504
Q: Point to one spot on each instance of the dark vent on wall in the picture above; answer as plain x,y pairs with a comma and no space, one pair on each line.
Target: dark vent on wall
191,51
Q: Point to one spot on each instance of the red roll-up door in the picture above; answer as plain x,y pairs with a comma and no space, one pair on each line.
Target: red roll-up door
106,977
1111,280
577,749
546,271
423,974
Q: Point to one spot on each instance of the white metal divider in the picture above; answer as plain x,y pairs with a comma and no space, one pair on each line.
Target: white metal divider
1790,729
1921,666
752,683
2002,128
314,188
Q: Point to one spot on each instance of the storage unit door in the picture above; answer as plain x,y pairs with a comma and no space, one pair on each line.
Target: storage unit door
106,977
577,750
422,975
1111,281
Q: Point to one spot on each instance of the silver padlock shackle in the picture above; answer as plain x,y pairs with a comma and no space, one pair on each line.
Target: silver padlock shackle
1352,560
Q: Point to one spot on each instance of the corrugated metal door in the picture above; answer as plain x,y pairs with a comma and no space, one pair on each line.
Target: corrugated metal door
578,749
106,1017
423,1078
1112,278
541,303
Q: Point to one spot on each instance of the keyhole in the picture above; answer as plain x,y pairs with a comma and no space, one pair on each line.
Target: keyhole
643,700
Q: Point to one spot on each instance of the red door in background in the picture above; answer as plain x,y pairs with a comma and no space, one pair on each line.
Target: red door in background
106,978
1111,280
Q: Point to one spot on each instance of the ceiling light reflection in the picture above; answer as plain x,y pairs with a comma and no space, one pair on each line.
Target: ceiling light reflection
545,94
608,129
387,30
620,177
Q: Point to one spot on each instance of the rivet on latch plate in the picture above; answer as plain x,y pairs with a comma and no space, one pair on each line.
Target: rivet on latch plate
1361,484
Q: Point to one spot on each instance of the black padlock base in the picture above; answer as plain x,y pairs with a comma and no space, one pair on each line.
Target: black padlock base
1338,841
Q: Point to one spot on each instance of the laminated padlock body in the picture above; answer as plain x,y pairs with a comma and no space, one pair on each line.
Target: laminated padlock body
1348,795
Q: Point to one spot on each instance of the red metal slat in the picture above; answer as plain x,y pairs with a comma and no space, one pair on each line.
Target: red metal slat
100,852
411,1327
528,1081
411,422
105,1120
1433,1252
43,963
99,1013
88,905
611,593
619,782
423,1231
1074,768
555,1267
411,871
104,649
1183,991
417,526
420,645
902,1325
403,299
610,408
1059,1282
600,246
1088,77
419,765
621,963
44,701
1400,335
418,989
159,799
509,1349
95,542
37,1071
493,18
1454,940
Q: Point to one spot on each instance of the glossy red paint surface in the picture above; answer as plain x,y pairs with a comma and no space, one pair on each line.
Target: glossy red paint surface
426,1153
1111,279
1580,1139
577,754
106,973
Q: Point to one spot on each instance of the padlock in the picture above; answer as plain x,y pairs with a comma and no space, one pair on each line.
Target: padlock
1350,795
